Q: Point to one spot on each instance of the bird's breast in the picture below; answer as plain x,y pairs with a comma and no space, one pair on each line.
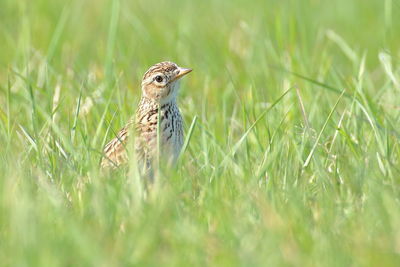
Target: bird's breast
171,130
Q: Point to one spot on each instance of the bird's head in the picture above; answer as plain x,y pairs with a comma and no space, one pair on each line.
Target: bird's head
161,82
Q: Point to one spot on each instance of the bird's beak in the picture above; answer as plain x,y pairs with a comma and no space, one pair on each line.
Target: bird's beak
182,72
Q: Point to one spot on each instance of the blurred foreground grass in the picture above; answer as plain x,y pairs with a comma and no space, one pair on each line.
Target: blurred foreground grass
312,178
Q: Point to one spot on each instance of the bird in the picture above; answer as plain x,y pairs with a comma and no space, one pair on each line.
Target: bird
157,125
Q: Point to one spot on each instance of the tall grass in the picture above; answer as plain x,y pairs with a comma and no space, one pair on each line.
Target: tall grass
292,116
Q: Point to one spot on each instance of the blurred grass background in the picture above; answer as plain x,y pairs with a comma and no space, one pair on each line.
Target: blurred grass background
310,177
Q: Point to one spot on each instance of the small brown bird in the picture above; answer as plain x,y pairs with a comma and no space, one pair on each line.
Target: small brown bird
160,87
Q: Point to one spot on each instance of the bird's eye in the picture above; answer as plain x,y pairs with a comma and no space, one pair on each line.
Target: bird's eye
159,78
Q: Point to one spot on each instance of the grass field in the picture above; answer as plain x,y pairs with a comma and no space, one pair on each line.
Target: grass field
293,114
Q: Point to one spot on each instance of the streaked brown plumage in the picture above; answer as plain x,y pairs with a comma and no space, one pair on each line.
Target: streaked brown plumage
160,87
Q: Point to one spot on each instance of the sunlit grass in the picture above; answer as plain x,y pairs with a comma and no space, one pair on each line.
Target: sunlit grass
292,115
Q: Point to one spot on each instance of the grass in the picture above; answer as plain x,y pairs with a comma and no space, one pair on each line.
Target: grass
292,116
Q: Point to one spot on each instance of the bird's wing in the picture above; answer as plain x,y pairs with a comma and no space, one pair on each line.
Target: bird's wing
115,152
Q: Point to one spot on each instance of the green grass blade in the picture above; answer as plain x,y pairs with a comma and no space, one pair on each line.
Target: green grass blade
307,162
